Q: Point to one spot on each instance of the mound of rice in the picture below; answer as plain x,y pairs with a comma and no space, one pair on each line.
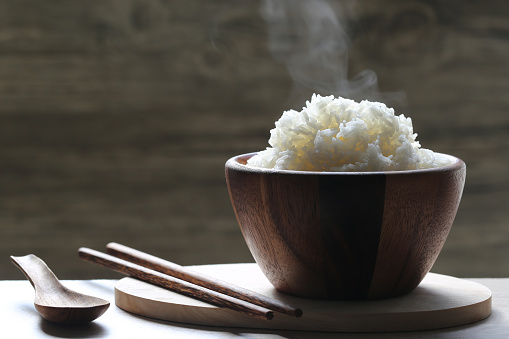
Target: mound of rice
337,134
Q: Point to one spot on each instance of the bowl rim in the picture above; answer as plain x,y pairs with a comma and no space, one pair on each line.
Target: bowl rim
233,163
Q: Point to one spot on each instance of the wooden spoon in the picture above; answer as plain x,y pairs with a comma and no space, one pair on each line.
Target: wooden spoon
55,302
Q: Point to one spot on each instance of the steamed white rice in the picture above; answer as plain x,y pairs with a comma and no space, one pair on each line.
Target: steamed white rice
341,135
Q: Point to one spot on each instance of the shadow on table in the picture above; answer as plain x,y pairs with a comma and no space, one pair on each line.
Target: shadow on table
470,330
474,330
254,332
89,330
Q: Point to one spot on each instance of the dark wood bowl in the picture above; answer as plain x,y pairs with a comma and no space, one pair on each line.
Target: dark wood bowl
348,235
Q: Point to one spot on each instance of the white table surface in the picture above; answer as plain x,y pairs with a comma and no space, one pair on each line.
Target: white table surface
19,319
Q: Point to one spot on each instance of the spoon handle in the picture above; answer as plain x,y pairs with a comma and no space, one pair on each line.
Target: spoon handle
38,273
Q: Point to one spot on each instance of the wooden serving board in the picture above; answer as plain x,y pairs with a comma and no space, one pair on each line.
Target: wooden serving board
440,301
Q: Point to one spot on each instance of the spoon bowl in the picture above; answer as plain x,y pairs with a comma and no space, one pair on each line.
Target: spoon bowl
55,302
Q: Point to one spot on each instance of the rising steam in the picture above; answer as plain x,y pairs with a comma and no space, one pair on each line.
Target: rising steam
310,38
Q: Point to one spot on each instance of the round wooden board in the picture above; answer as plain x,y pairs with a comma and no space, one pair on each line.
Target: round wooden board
440,301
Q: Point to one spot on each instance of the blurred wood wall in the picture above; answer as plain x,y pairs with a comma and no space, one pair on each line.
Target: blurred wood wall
116,119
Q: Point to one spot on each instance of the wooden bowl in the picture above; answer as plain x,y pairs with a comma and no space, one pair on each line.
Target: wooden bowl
347,235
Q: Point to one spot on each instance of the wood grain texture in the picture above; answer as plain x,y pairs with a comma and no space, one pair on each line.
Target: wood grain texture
180,272
169,282
345,235
439,302
412,238
350,214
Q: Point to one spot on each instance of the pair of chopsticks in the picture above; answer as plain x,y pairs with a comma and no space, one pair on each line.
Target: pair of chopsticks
185,281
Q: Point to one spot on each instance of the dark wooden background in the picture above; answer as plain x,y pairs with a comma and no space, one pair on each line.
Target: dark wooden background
116,118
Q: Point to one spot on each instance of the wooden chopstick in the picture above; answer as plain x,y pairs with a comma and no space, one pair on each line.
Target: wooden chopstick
180,272
174,284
